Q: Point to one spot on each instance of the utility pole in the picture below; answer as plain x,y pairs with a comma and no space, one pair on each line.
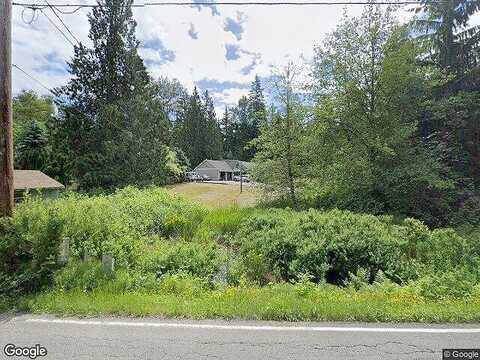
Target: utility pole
6,132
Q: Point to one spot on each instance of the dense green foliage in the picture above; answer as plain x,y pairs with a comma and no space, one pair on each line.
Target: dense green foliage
154,235
382,132
385,120
241,124
32,149
444,25
335,246
111,122
29,107
196,130
281,160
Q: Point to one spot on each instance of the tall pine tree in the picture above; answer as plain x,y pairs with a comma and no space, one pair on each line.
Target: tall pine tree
110,104
32,148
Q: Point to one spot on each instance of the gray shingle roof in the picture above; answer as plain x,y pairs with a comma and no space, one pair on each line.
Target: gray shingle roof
225,165
33,179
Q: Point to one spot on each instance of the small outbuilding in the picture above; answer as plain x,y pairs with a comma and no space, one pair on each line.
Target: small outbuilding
35,181
222,169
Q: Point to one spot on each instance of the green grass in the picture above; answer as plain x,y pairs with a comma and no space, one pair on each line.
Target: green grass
278,302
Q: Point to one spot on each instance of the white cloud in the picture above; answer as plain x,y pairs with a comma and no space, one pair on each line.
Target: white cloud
270,36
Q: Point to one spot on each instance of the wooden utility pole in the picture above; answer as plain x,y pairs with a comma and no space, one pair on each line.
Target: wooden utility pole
6,132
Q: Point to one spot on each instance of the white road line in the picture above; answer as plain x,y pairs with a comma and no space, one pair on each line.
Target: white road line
259,328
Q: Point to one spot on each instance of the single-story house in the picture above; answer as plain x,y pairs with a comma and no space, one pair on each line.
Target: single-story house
35,181
222,169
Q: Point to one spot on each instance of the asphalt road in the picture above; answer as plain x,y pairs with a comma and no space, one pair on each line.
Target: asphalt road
120,338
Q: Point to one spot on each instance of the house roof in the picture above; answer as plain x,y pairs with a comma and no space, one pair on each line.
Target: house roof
224,165
238,164
33,179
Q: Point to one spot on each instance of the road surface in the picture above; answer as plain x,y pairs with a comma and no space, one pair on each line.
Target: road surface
123,338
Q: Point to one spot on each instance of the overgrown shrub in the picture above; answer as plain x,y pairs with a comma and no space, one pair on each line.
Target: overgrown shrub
326,245
252,268
335,245
182,284
110,223
81,275
456,283
163,243
28,252
196,259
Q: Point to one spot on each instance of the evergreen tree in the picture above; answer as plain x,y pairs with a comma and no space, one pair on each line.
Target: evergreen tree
104,110
28,107
212,131
257,103
189,131
32,148
450,120
225,122
241,129
171,94
244,124
197,131
445,25
257,117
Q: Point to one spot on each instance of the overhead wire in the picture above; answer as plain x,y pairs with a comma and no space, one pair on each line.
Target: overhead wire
230,3
51,91
35,79
55,25
64,25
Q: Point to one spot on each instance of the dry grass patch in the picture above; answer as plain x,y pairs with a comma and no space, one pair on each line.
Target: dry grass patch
217,195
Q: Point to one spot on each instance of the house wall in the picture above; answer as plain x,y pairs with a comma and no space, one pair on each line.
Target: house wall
212,173
43,193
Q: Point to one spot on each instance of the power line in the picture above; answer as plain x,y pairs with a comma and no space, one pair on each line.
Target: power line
55,25
53,92
35,79
59,18
232,3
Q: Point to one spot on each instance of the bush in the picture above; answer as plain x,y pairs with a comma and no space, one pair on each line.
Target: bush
443,250
88,276
336,245
182,284
252,268
28,252
457,283
200,260
109,223
81,275
326,245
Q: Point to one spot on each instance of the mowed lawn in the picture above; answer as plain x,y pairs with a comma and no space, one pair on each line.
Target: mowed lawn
213,195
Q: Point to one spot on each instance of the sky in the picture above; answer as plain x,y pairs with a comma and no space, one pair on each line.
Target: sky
216,48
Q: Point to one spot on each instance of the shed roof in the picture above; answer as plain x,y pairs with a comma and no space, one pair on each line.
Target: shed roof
33,179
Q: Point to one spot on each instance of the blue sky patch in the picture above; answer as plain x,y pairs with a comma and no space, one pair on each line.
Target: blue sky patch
232,52
216,86
166,55
52,64
235,26
192,32
212,7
